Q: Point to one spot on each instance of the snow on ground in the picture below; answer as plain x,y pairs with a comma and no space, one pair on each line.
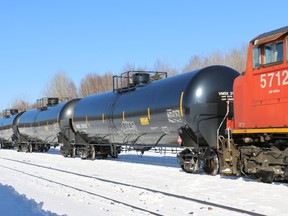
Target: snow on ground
49,184
12,203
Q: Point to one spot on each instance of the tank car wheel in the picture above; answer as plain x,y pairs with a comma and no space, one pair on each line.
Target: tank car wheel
47,148
30,148
211,164
265,176
114,151
189,161
104,156
189,169
24,147
72,151
191,166
92,152
64,150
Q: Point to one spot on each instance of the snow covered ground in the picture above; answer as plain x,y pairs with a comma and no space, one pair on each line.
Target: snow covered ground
49,184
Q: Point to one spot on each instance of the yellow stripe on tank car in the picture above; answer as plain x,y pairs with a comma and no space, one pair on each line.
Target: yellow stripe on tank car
181,104
148,113
72,119
123,116
47,127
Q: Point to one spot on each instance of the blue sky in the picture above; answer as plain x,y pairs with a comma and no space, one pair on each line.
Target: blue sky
39,38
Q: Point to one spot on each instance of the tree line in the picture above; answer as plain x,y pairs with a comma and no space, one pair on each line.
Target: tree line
62,86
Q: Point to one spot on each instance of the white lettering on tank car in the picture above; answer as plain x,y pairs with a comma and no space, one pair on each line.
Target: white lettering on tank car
154,128
81,126
226,96
166,130
173,115
129,128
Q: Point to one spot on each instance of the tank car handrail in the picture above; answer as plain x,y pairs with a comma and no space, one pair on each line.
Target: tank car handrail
125,82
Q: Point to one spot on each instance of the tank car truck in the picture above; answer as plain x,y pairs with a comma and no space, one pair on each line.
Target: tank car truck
7,122
257,141
37,128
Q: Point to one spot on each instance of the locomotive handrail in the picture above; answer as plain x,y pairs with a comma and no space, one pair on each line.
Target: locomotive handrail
225,117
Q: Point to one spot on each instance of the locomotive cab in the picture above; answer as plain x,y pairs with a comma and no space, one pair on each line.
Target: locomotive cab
261,92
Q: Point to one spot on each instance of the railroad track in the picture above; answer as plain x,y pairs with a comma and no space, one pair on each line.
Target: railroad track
137,189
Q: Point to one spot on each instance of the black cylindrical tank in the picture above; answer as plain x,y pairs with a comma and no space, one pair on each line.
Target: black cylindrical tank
45,124
6,125
153,113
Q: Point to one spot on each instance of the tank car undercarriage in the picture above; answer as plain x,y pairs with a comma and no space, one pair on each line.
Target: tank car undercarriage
87,148
192,160
5,144
33,147
260,156
90,151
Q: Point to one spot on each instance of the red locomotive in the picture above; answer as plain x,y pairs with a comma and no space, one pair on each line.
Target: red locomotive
257,138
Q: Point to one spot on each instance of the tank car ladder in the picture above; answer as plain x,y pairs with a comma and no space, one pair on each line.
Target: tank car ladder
111,129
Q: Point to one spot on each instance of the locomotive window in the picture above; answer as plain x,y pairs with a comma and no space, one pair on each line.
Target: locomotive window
279,52
287,49
256,57
273,53
268,54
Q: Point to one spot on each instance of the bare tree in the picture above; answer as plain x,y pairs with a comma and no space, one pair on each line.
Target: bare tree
61,86
194,63
94,83
164,66
107,82
21,105
131,67
89,85
236,59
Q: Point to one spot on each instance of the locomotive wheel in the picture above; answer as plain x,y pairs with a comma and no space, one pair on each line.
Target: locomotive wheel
211,165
